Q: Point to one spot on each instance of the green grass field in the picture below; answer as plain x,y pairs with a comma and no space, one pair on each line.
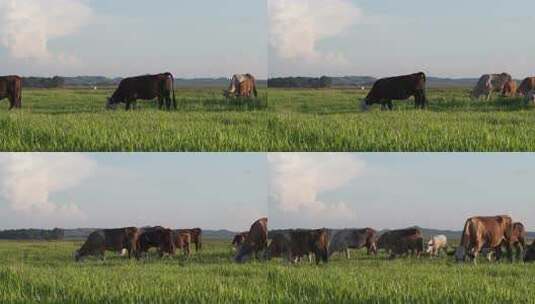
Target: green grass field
45,272
286,120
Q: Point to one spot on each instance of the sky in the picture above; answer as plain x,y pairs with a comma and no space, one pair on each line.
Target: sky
382,38
107,190
389,191
201,38
230,191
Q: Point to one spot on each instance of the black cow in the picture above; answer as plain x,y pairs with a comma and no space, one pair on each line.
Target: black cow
145,87
397,88
11,88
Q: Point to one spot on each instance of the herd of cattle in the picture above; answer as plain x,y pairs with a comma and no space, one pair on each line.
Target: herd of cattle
486,236
383,92
146,87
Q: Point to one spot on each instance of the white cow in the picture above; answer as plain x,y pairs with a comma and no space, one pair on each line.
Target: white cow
436,243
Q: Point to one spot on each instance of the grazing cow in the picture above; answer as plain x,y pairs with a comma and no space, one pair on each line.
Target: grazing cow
238,239
11,88
509,89
530,97
530,253
343,240
182,241
400,242
145,87
437,243
109,239
255,242
485,231
196,237
490,83
158,237
294,245
397,88
242,85
526,86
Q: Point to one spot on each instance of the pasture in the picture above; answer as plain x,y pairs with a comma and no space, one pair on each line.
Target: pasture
331,120
45,272
76,120
279,120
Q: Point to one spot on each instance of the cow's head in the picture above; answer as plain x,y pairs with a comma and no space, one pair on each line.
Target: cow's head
244,253
365,104
460,254
111,104
77,256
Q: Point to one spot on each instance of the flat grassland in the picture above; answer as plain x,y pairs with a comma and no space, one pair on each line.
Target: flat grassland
45,272
280,120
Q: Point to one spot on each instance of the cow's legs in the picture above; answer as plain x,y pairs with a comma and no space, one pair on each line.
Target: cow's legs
390,105
11,102
348,254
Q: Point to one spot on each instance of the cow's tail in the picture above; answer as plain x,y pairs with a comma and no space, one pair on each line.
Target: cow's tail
466,234
173,89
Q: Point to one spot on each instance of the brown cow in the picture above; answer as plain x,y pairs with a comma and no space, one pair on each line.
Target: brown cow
343,240
182,241
294,245
242,85
255,242
397,88
485,231
526,86
158,237
400,242
11,88
145,87
509,88
196,237
109,239
238,239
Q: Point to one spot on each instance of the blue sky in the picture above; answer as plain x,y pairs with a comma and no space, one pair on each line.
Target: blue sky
389,37
202,38
230,191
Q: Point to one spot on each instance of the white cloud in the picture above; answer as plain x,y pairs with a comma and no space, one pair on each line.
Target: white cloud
297,179
297,26
27,26
27,180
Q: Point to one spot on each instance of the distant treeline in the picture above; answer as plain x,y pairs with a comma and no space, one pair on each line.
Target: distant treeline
32,234
300,82
43,83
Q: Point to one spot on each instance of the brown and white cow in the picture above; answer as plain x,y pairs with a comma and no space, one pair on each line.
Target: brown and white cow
397,88
527,85
255,242
345,239
242,85
182,241
196,237
11,88
485,231
491,83
146,87
436,244
100,241
530,97
402,242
